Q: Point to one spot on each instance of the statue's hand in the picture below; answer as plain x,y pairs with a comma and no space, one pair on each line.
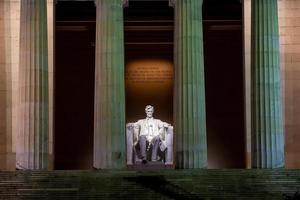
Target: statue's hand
130,125
166,125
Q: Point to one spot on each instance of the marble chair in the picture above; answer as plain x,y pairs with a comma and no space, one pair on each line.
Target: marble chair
131,138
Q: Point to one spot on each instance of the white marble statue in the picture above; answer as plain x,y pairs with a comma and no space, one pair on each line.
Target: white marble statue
150,134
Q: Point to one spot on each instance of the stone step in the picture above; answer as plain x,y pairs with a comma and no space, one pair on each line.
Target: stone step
165,184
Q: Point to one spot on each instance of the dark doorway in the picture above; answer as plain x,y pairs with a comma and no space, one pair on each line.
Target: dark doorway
224,79
148,38
74,84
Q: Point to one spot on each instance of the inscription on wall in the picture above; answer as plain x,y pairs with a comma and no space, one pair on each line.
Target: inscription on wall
151,73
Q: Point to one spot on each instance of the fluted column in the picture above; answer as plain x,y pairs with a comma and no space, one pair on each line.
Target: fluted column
109,124
267,124
32,140
189,93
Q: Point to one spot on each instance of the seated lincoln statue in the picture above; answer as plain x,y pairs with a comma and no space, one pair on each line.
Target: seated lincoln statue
150,139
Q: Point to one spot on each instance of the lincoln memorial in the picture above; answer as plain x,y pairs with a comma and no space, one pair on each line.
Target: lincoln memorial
224,74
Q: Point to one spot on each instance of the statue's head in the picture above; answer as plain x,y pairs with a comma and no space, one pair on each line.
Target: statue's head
149,110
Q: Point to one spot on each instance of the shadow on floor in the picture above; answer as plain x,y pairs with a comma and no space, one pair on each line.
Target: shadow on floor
160,185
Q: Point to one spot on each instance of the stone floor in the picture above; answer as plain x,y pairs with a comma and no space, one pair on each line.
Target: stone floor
163,184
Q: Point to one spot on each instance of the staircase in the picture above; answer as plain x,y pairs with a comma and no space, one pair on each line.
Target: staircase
165,184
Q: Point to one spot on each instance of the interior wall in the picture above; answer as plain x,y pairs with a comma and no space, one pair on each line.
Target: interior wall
74,84
149,82
224,84
289,26
148,39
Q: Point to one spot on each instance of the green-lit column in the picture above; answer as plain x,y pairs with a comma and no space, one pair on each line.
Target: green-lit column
189,93
267,124
109,124
32,139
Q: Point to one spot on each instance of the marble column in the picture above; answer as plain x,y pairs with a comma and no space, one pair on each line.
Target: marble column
189,93
267,121
5,85
109,124
32,140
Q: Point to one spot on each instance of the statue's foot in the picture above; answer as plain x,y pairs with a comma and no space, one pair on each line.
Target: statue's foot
144,161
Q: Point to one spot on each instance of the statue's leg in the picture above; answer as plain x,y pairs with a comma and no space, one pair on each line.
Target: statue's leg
143,146
155,145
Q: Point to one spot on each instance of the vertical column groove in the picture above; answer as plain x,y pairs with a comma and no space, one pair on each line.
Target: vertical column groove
32,142
267,122
109,124
189,94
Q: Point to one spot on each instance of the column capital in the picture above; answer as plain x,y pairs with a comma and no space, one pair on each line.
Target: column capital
124,2
172,3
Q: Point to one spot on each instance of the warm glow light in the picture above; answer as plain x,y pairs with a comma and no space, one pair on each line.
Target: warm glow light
149,81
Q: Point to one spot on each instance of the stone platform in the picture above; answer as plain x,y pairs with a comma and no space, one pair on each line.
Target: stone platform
163,184
149,166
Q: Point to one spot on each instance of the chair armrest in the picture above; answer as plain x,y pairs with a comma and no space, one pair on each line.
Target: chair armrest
169,143
129,143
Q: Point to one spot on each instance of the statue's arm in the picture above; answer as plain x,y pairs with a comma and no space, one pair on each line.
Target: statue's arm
163,127
161,130
136,132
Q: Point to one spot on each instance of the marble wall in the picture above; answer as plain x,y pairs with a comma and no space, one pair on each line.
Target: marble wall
289,27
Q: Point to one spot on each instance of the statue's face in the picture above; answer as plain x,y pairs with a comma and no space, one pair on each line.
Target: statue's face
149,113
